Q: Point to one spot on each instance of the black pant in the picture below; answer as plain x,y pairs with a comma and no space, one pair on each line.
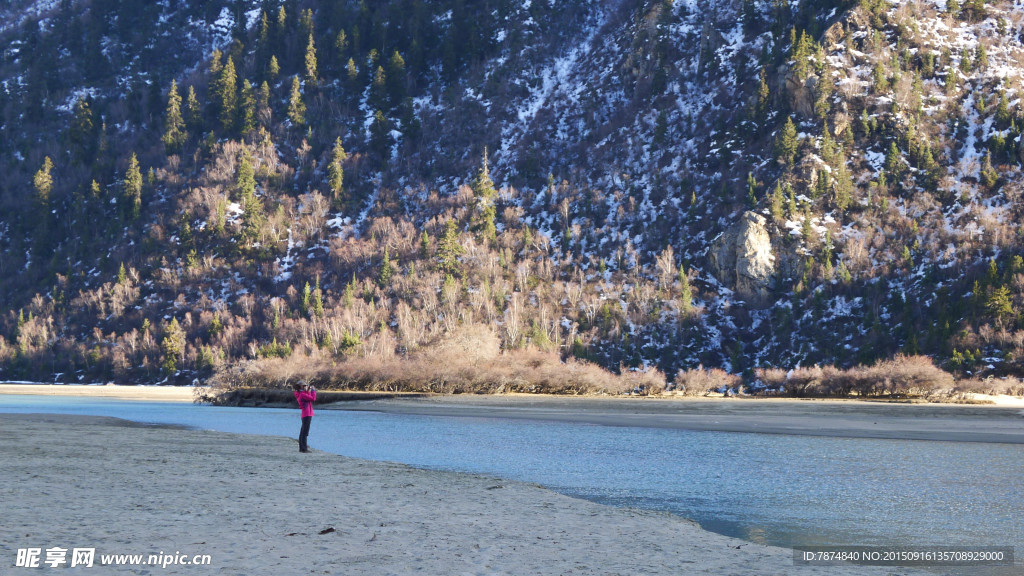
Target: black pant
304,433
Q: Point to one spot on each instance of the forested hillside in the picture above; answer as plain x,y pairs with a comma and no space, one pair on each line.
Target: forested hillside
500,195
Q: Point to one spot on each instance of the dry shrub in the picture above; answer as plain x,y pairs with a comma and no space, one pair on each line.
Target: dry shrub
699,382
990,386
904,376
469,361
901,376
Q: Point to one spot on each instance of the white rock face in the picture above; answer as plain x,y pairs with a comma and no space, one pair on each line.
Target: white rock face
742,258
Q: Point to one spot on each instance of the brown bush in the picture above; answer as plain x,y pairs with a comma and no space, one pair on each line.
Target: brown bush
903,376
699,382
467,362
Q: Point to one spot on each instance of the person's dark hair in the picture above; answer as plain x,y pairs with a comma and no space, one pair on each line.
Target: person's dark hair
296,385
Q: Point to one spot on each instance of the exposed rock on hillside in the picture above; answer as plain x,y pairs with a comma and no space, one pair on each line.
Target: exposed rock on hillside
742,258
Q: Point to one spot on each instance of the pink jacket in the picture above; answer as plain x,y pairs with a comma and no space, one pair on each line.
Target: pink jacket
306,400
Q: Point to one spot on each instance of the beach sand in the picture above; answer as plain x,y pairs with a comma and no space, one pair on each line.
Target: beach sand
258,506
148,393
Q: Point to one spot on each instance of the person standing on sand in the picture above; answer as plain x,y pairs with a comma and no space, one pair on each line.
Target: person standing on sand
305,394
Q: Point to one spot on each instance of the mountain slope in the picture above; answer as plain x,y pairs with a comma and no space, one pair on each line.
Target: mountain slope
664,184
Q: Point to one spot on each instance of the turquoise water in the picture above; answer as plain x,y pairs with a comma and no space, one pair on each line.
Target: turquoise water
775,489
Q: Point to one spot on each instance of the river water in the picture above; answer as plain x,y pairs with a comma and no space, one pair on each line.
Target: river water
769,488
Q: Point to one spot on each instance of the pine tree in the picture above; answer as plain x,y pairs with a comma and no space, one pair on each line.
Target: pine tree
777,213
379,89
226,91
449,250
174,125
83,131
483,186
763,97
981,57
173,346
273,68
424,245
685,292
341,46
351,72
843,186
386,270
318,299
786,143
296,107
132,188
988,173
396,79
953,8
43,183
311,68
380,137
751,190
253,215
245,180
193,111
263,33
246,108
335,172
893,160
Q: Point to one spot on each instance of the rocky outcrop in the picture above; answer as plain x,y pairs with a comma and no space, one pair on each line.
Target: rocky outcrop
801,93
742,258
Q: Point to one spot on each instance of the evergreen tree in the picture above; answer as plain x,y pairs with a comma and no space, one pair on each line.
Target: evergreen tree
175,133
987,173
245,180
483,186
226,93
981,57
449,250
386,270
273,69
335,172
311,67
379,89
685,292
786,144
843,186
43,182
380,137
893,160
763,97
318,299
247,108
253,216
999,305
131,187
83,131
953,8
424,245
173,346
751,190
193,111
341,46
396,79
296,107
777,213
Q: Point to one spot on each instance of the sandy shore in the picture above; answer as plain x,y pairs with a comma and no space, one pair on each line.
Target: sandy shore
150,393
836,418
257,506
